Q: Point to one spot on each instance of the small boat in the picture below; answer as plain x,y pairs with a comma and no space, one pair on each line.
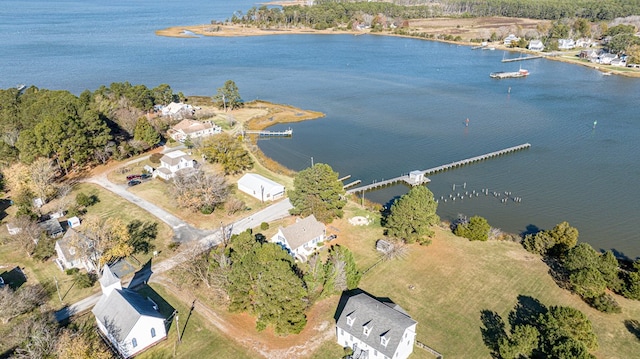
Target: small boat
509,75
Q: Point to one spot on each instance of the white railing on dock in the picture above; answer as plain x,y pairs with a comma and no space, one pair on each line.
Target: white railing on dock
411,181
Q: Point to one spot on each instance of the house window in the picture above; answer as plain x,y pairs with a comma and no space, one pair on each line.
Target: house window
153,332
134,342
341,331
375,353
384,341
366,330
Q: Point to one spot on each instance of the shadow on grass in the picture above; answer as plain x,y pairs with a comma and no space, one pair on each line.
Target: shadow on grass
557,272
633,326
4,204
526,312
493,329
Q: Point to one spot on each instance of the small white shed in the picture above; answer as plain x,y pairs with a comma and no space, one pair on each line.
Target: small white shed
73,222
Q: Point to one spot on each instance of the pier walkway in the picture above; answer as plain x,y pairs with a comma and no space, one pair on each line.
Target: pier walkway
285,133
523,58
417,177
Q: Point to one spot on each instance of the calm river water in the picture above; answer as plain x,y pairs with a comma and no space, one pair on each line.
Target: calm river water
393,105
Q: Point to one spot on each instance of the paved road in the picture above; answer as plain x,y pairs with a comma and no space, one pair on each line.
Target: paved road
183,232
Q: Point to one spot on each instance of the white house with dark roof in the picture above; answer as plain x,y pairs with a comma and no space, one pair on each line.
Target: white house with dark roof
260,187
193,129
75,250
173,162
375,329
302,237
130,322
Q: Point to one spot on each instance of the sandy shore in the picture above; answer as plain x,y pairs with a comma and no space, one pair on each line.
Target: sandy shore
467,28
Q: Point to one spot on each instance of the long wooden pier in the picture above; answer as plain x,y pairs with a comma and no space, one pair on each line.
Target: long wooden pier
417,177
523,58
285,133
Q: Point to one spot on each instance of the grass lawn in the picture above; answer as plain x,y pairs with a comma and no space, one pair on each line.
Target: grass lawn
200,339
46,273
446,285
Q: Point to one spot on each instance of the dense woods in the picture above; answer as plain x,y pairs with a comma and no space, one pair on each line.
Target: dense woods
332,13
76,131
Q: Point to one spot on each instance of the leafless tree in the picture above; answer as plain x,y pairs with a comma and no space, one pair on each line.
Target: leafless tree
23,300
495,233
29,233
398,250
197,190
64,200
41,341
43,173
234,205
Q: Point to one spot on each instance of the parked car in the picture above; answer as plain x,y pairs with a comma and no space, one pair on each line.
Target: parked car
133,183
132,177
145,176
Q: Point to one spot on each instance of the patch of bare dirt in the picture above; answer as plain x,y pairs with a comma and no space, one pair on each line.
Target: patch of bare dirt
241,327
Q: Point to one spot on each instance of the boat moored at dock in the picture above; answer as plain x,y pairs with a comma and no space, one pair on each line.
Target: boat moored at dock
509,75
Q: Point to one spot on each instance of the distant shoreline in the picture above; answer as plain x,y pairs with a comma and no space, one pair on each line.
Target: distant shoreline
195,31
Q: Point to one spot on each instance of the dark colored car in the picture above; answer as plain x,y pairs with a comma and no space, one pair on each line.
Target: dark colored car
132,177
145,176
133,183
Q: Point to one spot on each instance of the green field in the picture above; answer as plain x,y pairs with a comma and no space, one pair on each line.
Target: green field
199,339
446,286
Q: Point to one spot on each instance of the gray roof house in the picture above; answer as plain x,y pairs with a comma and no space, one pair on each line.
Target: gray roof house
130,322
302,237
173,162
52,227
75,250
375,329
536,45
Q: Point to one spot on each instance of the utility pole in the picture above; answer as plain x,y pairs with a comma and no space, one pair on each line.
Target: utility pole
57,288
178,328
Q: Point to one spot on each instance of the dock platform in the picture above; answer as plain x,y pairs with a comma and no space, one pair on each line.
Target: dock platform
418,177
285,133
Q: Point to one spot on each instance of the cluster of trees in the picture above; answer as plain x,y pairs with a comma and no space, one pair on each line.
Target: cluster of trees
228,151
317,191
334,13
326,14
261,278
589,273
622,39
200,191
475,229
411,217
593,10
75,131
541,332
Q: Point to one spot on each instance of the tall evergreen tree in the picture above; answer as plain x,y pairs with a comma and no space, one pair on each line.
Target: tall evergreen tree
317,191
412,216
146,133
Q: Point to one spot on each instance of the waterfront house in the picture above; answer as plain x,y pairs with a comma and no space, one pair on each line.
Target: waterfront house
619,62
75,250
260,187
566,44
375,329
178,110
510,39
606,58
188,128
301,238
591,55
173,162
130,322
536,45
584,42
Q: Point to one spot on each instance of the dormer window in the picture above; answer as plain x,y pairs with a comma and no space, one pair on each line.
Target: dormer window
350,320
366,329
384,341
